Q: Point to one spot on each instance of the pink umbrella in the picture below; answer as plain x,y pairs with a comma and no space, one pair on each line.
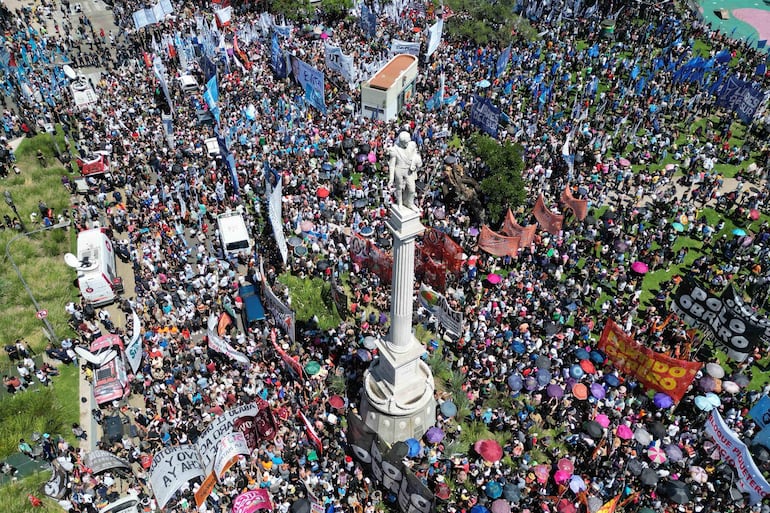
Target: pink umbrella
624,432
541,473
624,162
566,465
640,267
602,420
324,35
561,477
494,279
669,167
306,226
753,214
500,506
656,454
372,157
489,449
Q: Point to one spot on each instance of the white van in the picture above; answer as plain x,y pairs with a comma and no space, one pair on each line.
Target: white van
98,278
233,233
188,84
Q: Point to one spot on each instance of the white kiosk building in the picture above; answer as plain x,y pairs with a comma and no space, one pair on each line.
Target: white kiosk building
385,94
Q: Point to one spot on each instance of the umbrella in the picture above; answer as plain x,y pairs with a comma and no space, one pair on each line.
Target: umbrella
500,506
634,467
731,387
442,491
658,430
530,383
656,454
322,192
611,380
518,347
673,452
649,477
312,367
511,492
448,409
294,241
639,267
478,508
580,391
598,391
662,400
593,429
576,372
698,474
703,404
483,83
370,342
760,453
597,357
594,504
551,328
707,384
715,370
414,447
494,279
620,245
543,362
676,491
489,449
679,227
300,251
473,231
753,214
322,265
364,355
582,354
624,162
514,382
577,484
740,232
541,473
494,489
565,506
566,465
543,377
434,435
336,402
741,380
642,436
306,226
555,391
300,506
603,420
624,432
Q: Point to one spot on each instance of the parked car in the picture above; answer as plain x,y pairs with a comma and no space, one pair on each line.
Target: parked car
111,381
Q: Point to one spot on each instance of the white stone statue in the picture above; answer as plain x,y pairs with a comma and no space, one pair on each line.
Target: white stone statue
403,165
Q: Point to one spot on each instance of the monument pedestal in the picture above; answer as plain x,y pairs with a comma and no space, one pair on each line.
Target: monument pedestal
398,388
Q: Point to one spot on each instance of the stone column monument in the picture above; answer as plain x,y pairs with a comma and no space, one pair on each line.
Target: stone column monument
398,388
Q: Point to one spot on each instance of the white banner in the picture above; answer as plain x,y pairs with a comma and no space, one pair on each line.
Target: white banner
274,213
154,14
220,427
171,468
397,46
217,343
228,449
735,452
438,306
435,36
337,61
134,348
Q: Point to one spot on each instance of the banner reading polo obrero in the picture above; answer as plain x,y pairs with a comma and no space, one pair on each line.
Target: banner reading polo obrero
737,305
312,81
252,501
498,245
653,370
579,207
337,61
735,452
548,220
438,306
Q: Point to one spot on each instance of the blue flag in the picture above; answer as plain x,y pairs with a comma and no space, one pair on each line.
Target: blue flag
502,61
760,412
277,61
761,43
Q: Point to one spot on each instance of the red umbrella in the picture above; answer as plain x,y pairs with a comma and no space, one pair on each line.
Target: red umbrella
322,192
489,449
587,366
565,506
336,402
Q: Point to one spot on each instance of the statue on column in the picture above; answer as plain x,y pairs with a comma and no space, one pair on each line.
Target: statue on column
403,165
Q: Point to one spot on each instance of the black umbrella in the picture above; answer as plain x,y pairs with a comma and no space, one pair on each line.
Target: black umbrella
348,143
543,362
657,429
300,506
364,148
593,429
649,477
511,492
591,220
676,491
760,453
398,452
609,214
551,328
634,467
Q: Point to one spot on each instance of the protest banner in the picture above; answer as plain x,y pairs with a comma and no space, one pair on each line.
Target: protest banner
760,412
513,229
134,347
171,468
442,248
219,344
365,253
337,61
738,306
438,306
283,316
498,245
252,501
397,47
485,115
579,207
428,270
653,370
735,452
550,222
229,448
312,82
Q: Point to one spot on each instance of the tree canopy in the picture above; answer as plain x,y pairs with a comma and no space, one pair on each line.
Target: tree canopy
501,184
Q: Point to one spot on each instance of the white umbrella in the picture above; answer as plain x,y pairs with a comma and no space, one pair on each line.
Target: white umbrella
715,370
731,387
698,474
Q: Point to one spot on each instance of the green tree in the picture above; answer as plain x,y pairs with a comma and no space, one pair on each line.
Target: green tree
303,11
485,21
501,186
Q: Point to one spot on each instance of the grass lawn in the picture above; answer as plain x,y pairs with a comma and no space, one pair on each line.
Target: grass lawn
15,495
309,298
39,256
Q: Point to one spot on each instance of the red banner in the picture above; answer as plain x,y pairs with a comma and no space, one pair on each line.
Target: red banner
429,271
548,220
498,245
366,254
287,359
311,434
440,247
513,229
240,53
653,370
579,207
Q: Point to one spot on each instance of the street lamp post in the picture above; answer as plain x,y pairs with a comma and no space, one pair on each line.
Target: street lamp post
9,201
50,332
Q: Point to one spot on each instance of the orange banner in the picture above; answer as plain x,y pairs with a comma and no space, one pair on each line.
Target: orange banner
442,248
498,245
513,229
548,220
579,207
653,370
205,489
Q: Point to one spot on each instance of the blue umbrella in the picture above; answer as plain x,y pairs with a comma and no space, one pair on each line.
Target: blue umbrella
518,347
662,400
514,382
597,356
414,447
511,493
611,380
494,490
483,83
723,56
478,508
543,377
576,372
448,409
740,232
530,383
582,354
